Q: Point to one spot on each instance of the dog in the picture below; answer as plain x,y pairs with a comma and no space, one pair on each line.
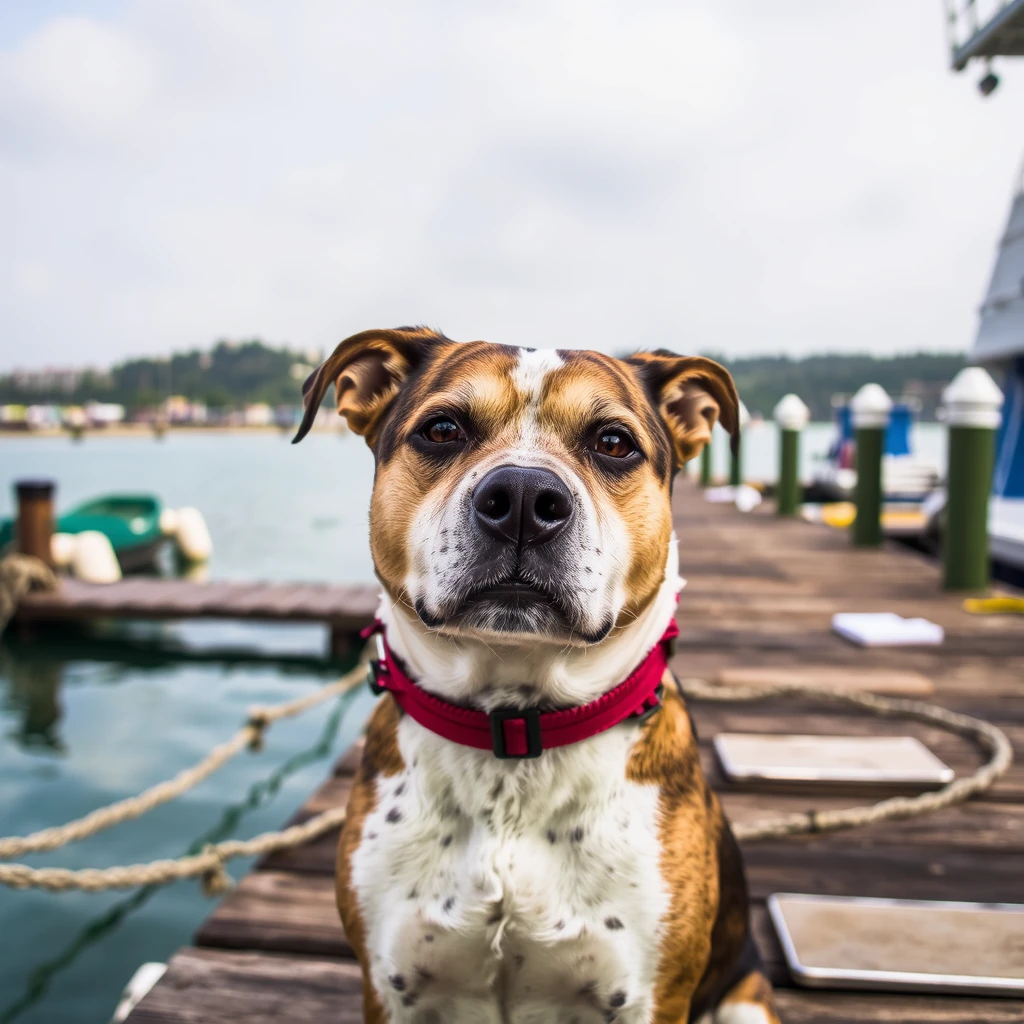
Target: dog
528,840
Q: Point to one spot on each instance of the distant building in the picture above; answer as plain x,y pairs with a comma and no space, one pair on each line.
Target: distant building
70,415
178,409
258,414
12,417
287,415
104,414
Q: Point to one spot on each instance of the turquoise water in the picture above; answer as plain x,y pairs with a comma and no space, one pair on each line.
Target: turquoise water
88,719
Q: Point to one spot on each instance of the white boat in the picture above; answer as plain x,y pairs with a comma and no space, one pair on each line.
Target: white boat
999,346
907,478
981,31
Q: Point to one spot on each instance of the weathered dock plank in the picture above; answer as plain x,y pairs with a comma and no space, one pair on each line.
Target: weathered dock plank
348,607
207,986
280,911
758,607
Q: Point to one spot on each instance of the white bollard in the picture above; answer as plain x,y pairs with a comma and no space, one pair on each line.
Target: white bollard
192,536
792,416
870,409
94,560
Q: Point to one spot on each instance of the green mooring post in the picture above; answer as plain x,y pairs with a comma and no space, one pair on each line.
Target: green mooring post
792,416
736,455
705,466
971,409
870,409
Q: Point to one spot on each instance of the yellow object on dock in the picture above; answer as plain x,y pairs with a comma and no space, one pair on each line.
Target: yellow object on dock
994,605
840,514
895,521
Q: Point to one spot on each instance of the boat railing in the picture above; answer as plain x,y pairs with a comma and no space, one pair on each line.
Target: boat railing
983,29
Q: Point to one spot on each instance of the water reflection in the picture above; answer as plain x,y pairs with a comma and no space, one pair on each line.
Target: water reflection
33,667
33,696
40,978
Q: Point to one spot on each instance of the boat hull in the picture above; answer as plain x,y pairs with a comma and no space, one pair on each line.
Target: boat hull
1006,532
130,522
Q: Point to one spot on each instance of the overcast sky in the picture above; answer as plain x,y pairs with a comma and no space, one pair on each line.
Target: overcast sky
729,175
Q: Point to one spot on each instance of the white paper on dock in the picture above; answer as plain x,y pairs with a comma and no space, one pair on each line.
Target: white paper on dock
885,629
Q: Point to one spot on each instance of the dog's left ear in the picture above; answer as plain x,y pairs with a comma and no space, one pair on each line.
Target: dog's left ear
366,370
692,394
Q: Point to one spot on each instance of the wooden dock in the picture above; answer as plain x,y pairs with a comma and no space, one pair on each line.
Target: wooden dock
758,604
343,609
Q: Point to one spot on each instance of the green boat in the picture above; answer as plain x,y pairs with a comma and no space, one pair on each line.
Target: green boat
131,522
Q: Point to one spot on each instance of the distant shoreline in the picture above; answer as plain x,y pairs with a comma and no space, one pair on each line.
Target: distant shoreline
145,430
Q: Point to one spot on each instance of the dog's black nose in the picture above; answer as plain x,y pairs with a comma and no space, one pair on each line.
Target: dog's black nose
522,504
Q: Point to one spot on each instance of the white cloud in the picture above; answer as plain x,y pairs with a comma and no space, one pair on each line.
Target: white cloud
734,176
75,80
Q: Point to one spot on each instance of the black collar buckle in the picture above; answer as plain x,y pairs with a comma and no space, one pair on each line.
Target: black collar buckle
530,718
377,668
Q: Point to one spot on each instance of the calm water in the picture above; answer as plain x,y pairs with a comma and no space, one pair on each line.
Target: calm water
88,719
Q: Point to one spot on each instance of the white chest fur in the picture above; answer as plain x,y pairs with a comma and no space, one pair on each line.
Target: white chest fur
512,892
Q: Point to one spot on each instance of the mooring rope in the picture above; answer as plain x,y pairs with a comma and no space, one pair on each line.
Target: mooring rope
209,864
20,574
250,736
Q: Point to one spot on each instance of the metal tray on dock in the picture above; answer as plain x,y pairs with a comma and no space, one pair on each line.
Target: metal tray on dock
898,761
909,945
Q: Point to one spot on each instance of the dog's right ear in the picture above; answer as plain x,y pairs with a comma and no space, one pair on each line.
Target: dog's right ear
366,370
692,394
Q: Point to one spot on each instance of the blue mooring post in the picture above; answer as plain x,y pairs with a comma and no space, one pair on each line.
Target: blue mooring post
792,416
870,409
971,409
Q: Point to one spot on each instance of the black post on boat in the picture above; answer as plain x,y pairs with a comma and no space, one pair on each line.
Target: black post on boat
34,528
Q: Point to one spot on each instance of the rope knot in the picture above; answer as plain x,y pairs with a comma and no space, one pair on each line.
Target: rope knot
215,880
258,721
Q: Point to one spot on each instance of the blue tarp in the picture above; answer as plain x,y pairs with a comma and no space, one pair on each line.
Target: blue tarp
897,434
1008,480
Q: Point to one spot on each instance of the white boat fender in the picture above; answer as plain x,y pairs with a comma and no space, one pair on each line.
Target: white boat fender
168,522
195,572
192,536
724,495
140,985
747,498
93,559
62,549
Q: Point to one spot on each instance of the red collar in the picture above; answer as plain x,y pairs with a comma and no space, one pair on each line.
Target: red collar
522,732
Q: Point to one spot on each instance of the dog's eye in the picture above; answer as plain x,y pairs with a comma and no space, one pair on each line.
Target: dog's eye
615,443
442,430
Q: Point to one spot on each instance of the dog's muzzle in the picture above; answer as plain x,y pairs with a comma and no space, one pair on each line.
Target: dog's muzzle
522,505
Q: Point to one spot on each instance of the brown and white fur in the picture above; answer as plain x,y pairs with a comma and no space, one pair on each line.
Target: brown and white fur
600,881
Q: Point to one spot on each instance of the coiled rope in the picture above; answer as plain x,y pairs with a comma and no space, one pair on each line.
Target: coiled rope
20,574
991,739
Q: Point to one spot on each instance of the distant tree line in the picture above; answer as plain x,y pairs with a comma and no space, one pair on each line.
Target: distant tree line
235,373
231,374
763,380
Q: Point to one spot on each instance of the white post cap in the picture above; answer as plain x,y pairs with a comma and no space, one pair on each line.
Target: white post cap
973,399
791,413
744,415
871,407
